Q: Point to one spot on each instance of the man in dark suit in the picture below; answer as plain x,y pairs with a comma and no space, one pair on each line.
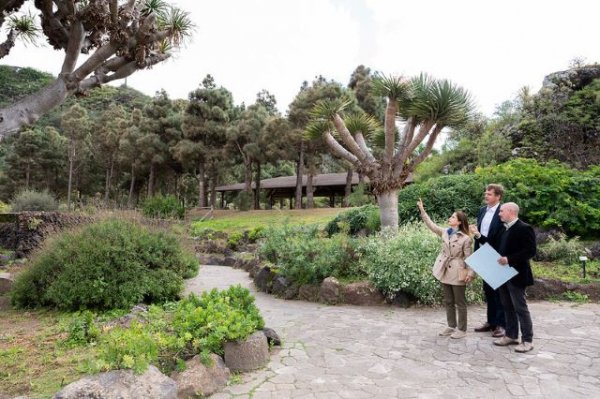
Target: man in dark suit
488,230
517,246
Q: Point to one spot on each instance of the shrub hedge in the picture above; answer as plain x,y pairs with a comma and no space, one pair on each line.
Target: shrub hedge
163,207
108,265
31,200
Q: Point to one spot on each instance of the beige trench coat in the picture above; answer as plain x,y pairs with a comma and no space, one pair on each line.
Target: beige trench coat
456,248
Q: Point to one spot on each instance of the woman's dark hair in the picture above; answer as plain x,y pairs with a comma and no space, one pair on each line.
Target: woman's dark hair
464,222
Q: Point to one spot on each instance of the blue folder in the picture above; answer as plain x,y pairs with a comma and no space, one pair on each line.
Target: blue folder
485,263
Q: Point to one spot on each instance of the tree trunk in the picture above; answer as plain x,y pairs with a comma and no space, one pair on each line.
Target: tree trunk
70,182
213,186
106,184
131,187
348,188
388,208
151,181
27,175
201,185
248,177
299,173
257,189
310,203
31,108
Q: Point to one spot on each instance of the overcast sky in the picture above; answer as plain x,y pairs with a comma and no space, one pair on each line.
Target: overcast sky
491,48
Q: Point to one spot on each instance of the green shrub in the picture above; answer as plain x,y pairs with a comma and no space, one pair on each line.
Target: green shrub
256,234
133,348
234,239
403,261
305,256
82,328
108,265
243,201
163,207
359,196
561,249
208,321
363,218
4,208
442,196
551,194
30,200
167,336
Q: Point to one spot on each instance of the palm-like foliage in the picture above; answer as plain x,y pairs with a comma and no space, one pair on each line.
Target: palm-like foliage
178,24
394,87
24,26
362,123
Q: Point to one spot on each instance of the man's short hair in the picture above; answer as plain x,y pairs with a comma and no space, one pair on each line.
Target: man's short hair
498,189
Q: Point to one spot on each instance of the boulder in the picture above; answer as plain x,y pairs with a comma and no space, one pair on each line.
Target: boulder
249,354
403,299
279,286
574,78
309,292
272,337
199,380
330,291
228,261
264,279
362,293
4,259
6,283
121,384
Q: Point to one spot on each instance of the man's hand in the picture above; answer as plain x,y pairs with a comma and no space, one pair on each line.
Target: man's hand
503,261
473,229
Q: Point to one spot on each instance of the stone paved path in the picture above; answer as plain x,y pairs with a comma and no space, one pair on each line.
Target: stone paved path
386,352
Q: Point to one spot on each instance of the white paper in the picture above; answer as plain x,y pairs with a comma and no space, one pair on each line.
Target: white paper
485,263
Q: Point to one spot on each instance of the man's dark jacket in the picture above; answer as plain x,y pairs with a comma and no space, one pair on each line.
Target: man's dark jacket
518,245
496,229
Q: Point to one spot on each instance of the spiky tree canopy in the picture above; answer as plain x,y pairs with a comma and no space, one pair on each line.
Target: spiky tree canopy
417,110
119,37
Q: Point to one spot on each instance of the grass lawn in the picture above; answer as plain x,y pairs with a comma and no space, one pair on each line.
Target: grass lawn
229,221
34,360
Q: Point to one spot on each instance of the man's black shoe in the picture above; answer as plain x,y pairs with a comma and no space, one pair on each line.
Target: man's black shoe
485,328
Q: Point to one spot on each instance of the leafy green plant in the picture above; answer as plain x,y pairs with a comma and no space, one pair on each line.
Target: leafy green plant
561,249
163,207
82,328
234,239
305,255
551,195
574,296
363,218
208,321
243,201
359,196
442,196
4,208
108,265
128,348
256,233
403,261
31,200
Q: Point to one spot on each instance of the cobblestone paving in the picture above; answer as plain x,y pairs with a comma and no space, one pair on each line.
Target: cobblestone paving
387,352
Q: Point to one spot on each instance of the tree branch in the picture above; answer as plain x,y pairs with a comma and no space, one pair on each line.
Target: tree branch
360,140
74,47
347,138
390,129
421,157
339,150
8,44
